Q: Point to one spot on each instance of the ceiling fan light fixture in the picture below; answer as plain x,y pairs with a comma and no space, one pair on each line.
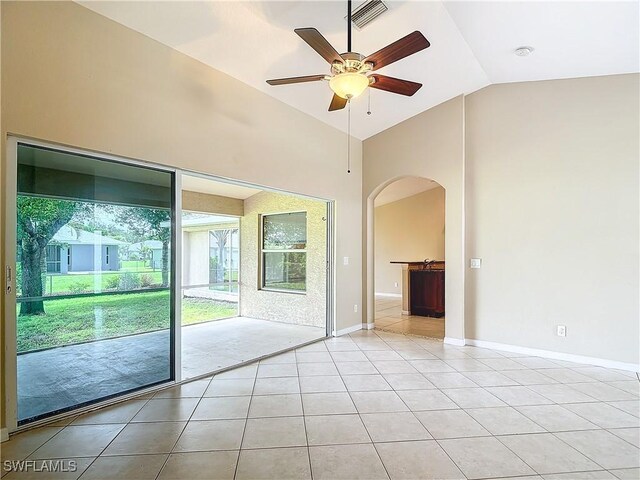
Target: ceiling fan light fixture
349,85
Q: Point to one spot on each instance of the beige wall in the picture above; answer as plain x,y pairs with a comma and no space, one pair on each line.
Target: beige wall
300,309
208,203
552,210
429,145
74,77
551,185
410,229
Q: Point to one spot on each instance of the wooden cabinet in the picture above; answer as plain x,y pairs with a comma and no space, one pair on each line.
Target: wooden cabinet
426,296
423,288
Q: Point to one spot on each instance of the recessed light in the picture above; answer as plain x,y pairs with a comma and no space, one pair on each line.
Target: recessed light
524,51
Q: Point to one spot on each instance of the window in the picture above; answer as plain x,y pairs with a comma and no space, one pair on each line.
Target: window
52,255
69,256
106,255
284,251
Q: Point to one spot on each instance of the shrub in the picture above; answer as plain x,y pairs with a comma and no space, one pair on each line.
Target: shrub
112,282
146,280
79,286
129,281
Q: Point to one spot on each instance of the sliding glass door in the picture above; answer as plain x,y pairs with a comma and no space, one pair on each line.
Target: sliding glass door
94,283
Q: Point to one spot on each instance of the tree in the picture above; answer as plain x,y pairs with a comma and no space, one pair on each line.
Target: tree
39,219
148,225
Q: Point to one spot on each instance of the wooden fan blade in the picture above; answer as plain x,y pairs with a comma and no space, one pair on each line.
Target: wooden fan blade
395,85
320,44
412,43
287,81
337,103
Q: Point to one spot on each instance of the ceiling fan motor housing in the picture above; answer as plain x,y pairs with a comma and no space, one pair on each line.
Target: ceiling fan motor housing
352,63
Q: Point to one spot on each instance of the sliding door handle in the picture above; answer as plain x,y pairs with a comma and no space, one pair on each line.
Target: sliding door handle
9,280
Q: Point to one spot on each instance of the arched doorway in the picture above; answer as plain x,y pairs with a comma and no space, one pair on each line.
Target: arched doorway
409,257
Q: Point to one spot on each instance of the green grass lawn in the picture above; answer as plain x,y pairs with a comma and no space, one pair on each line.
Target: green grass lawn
135,266
74,282
73,320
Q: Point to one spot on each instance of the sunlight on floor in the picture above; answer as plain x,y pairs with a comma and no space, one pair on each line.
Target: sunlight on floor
389,318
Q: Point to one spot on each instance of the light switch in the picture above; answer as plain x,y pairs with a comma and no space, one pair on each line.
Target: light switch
345,260
475,262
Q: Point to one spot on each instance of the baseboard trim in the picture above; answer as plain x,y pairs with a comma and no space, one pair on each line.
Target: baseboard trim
460,342
345,331
4,434
392,295
369,326
569,357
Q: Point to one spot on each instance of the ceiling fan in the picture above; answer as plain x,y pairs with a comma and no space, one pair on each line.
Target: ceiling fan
349,75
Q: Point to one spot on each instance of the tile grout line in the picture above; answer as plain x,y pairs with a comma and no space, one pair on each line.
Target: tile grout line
304,417
572,448
71,424
441,355
362,421
246,420
428,432
164,464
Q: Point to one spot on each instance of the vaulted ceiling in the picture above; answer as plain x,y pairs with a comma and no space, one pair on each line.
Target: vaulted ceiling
472,45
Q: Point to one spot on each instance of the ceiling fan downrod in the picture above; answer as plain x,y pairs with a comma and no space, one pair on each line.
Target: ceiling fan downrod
348,25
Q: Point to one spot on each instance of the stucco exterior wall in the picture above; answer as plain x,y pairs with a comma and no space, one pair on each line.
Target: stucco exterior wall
307,308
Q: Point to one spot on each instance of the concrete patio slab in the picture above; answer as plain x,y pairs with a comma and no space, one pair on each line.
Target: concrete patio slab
63,377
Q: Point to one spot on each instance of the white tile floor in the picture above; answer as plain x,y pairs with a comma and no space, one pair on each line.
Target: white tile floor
389,318
370,405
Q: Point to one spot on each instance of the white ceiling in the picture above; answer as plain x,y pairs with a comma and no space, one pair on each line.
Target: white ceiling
213,187
472,45
570,38
403,188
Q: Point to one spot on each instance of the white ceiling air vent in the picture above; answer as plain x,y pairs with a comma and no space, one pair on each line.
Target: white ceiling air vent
367,12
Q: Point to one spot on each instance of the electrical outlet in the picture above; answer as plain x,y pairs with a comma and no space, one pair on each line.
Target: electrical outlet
355,308
395,284
561,330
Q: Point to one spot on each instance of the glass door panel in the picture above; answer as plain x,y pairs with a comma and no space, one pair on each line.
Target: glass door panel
94,280
210,293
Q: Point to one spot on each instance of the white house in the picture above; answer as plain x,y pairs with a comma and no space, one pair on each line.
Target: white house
76,250
137,252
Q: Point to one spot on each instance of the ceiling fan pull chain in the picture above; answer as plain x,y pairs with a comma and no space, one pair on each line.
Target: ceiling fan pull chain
349,136
369,102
